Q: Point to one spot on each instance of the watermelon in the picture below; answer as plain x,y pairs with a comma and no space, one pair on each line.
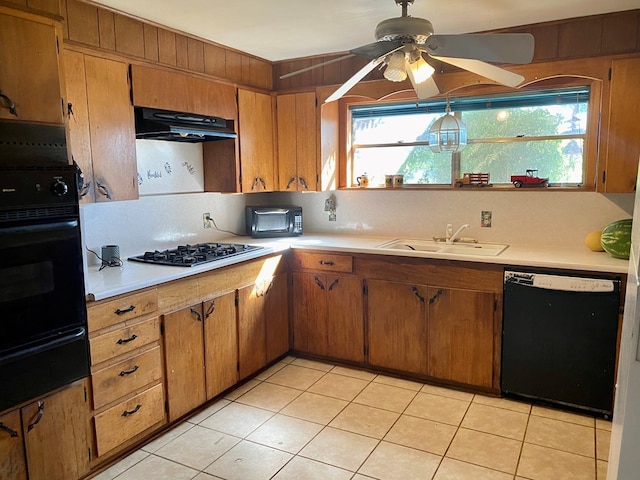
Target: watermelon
616,238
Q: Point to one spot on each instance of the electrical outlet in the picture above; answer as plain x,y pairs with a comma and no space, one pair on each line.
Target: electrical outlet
207,222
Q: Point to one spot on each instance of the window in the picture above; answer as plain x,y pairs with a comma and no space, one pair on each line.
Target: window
506,135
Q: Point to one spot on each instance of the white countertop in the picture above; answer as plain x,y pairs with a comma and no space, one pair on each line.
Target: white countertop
112,281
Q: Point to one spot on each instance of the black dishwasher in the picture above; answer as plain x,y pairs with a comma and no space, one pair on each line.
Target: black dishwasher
559,339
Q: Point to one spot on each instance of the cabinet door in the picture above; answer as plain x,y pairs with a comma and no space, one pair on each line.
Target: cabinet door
29,76
255,118
184,360
397,325
78,120
113,147
345,321
277,316
460,336
252,354
310,313
297,147
12,462
220,343
623,140
56,435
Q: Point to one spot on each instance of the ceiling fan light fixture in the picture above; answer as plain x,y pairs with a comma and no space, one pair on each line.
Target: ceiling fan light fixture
396,67
421,70
448,134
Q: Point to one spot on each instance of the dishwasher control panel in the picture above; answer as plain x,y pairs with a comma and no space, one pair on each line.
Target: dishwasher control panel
561,282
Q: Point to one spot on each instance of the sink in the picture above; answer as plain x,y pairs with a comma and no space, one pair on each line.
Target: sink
431,246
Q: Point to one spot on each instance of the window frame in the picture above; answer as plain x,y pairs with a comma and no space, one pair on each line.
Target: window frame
591,135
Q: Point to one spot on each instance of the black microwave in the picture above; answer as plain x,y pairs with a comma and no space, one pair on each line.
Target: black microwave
274,221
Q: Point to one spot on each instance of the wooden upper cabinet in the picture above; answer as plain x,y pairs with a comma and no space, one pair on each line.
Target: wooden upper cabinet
30,84
255,131
112,130
297,142
623,139
157,88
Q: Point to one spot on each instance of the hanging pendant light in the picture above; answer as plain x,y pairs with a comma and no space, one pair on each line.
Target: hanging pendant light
448,133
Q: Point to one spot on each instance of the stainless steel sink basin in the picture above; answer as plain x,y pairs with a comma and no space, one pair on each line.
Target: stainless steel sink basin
475,249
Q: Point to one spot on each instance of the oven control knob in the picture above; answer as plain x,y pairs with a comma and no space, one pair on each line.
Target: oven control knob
59,188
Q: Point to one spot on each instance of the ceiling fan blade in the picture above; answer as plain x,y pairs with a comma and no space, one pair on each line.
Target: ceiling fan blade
377,49
497,74
349,84
497,48
306,69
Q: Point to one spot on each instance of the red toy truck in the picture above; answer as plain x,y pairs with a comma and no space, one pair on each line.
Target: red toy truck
529,180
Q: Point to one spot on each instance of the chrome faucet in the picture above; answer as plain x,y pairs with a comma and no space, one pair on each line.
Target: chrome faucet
451,237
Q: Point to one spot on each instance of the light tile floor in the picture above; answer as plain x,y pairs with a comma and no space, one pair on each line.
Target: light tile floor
305,420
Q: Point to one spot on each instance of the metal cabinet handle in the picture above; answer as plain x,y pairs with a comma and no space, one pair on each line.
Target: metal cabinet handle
104,190
303,182
131,412
38,416
269,288
318,282
210,310
326,262
84,190
293,179
264,185
125,310
254,185
129,372
196,314
127,340
333,284
9,430
417,294
435,297
9,104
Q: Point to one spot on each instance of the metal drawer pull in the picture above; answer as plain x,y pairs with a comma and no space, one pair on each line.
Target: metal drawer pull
131,412
326,262
126,310
128,372
127,340
9,430
38,416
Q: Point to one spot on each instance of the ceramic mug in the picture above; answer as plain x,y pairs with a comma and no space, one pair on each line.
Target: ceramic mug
398,181
388,181
363,180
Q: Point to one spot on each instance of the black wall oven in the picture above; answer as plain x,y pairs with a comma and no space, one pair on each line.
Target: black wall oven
43,320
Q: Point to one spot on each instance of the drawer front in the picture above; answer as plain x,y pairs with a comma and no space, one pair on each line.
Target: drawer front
124,340
109,313
118,380
127,419
325,261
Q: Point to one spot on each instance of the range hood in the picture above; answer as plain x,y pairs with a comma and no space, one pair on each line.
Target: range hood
155,124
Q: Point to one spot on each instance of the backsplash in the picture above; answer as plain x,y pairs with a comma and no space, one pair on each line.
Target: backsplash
518,218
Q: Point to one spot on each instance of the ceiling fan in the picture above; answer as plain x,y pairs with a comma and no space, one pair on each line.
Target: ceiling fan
403,42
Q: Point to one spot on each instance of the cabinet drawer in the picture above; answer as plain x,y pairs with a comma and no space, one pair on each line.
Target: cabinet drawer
122,378
325,261
127,419
124,340
109,313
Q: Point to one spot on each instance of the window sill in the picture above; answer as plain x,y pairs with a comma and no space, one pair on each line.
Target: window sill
488,188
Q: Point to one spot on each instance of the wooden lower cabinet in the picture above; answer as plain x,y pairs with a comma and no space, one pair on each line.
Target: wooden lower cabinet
220,344
263,324
48,438
200,348
447,334
460,336
397,314
328,315
13,464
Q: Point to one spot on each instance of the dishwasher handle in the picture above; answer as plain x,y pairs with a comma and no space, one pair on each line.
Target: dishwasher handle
565,283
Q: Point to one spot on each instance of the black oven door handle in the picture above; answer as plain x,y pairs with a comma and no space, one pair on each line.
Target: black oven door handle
45,344
40,227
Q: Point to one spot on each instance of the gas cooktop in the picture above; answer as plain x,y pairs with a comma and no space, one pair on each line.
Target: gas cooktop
191,255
